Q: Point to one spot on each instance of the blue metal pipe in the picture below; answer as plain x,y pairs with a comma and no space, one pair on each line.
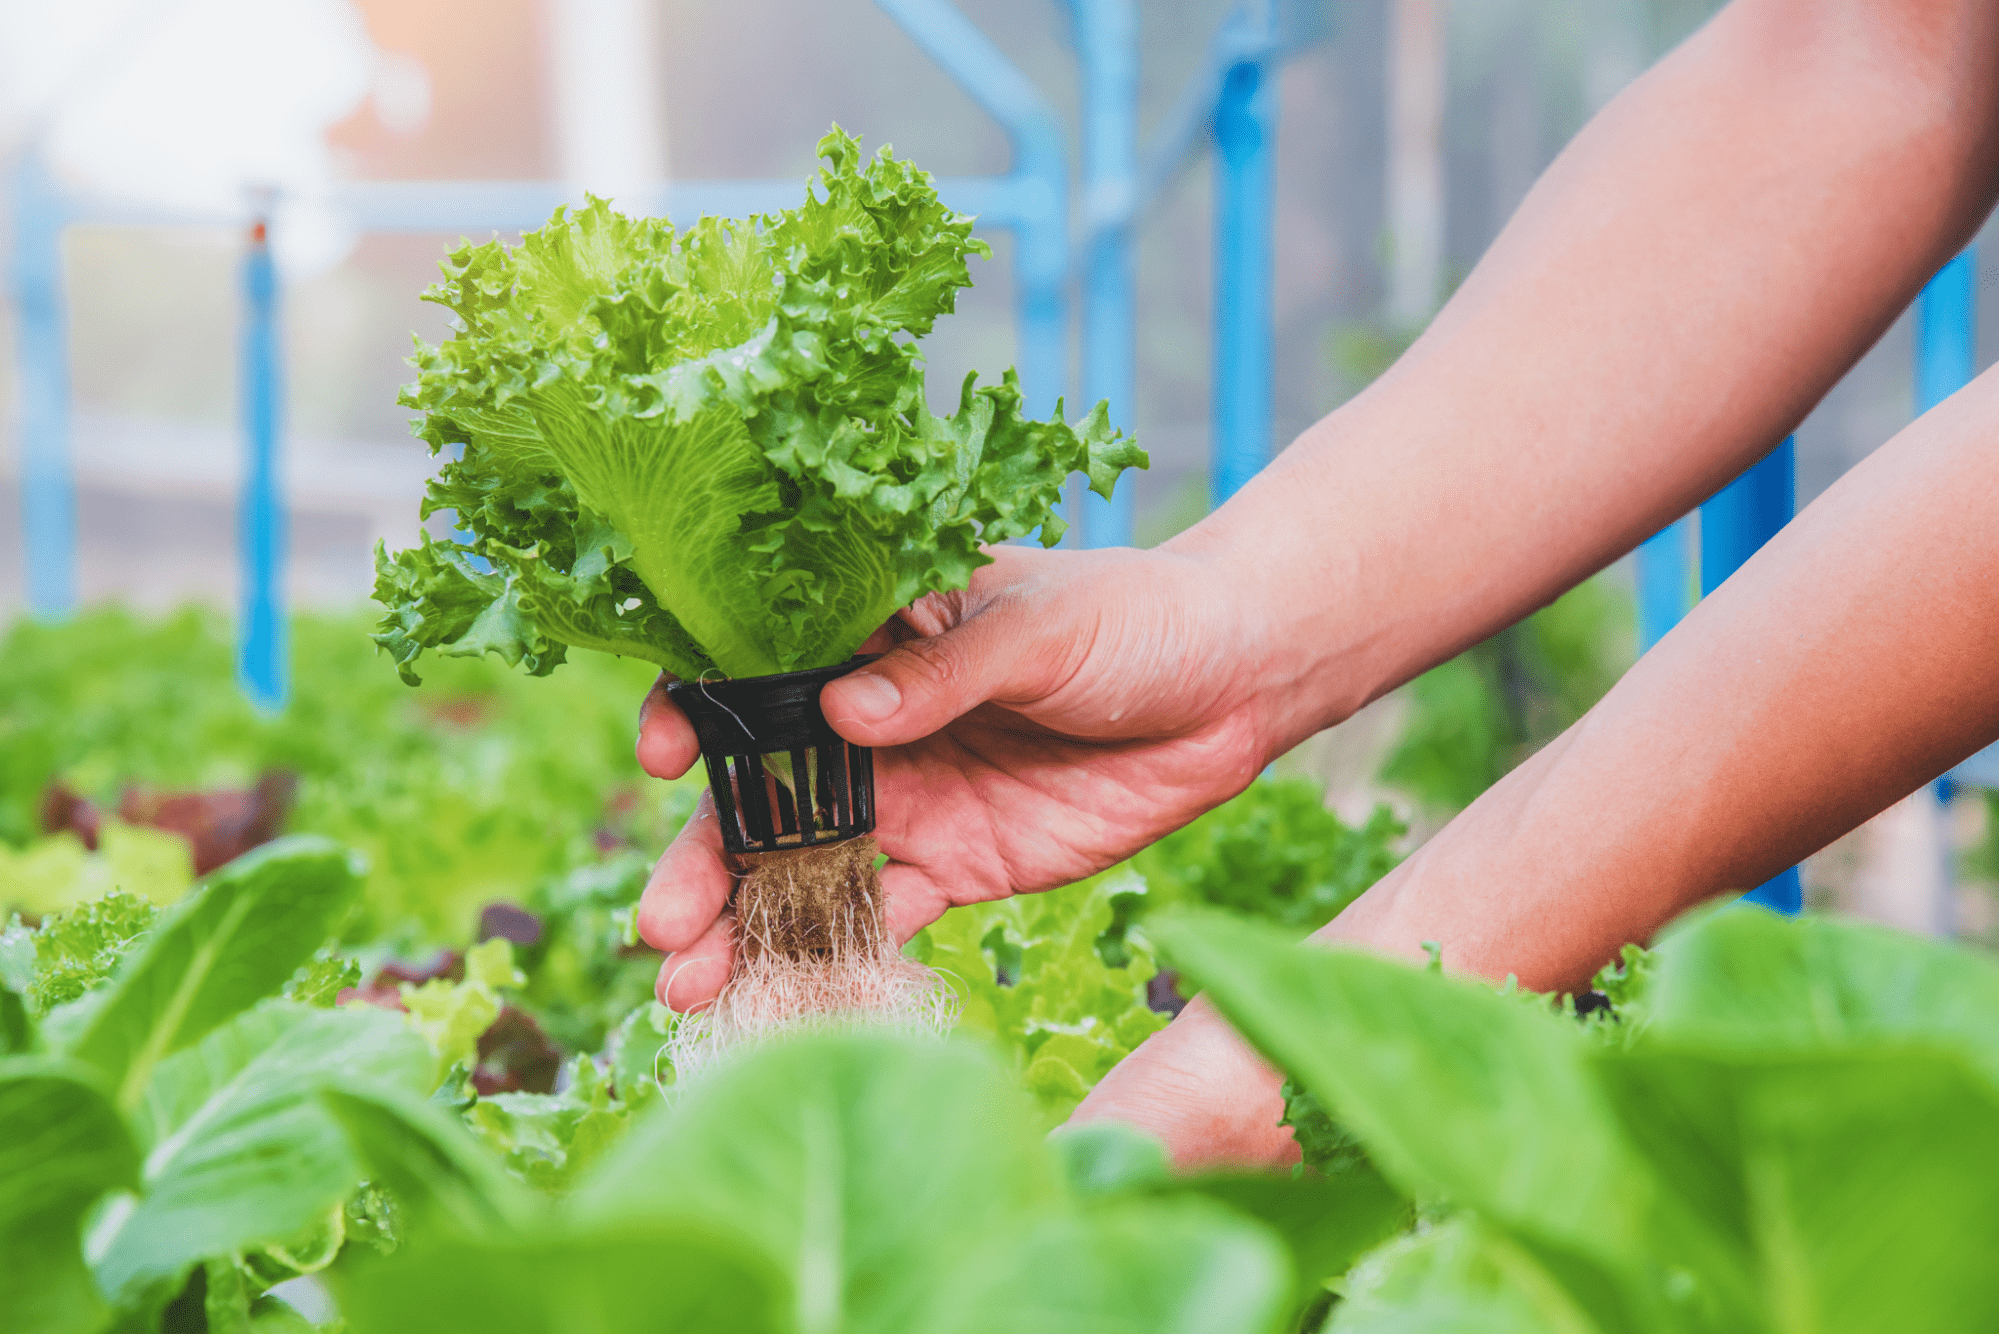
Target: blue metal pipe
1747,513
1662,581
1946,359
1245,129
1041,254
262,641
48,488
1107,41
1742,517
1946,332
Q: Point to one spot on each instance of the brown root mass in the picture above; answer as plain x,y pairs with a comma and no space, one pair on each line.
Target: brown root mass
813,950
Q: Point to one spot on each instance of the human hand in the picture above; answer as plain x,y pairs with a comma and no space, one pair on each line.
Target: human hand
1063,712
1202,1091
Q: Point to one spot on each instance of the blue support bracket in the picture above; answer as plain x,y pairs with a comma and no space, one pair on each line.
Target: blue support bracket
48,486
262,638
1245,131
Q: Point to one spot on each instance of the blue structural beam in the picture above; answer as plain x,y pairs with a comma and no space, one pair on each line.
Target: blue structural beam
1040,175
1946,359
48,488
1746,514
1245,130
1663,581
1946,335
1107,41
262,641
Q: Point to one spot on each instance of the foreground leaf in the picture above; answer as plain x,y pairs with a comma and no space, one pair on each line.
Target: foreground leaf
235,941
651,1277
1163,1265
869,1166
63,1146
440,1175
1747,980
240,1149
1454,1091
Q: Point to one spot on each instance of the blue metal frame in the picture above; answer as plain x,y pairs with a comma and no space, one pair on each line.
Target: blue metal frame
1739,519
263,661
1107,42
48,487
1245,129
1946,359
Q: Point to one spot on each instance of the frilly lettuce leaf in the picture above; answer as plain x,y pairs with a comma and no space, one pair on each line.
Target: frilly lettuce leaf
711,449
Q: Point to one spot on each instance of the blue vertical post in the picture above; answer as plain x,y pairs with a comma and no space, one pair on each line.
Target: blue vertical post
48,486
1662,581
1740,518
261,638
1946,342
1040,178
1107,39
1245,129
1946,357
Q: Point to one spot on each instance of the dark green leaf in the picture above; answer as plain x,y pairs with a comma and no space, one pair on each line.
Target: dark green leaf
439,1174
241,1151
63,1146
661,1276
232,942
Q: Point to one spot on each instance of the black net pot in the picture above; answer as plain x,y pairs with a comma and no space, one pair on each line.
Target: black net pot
823,790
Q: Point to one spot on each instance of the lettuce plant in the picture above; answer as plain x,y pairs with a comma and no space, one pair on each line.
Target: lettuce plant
710,448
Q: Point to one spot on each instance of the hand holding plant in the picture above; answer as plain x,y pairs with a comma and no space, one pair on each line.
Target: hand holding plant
1066,710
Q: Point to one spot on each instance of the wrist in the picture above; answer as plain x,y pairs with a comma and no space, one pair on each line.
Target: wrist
1307,648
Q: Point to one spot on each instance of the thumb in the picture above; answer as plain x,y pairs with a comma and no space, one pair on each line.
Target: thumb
921,685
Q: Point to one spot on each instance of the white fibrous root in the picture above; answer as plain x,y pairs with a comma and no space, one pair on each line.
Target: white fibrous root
813,951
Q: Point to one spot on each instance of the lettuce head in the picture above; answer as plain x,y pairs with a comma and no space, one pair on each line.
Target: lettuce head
711,448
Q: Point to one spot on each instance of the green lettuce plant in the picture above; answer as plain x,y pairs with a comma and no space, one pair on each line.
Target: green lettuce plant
1786,1128
710,449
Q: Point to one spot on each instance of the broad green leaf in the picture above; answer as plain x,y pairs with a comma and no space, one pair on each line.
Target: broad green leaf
1869,1206
1326,1223
1456,1276
1848,1184
1454,1091
1109,1158
239,1149
1749,980
1159,1265
423,1154
18,1032
233,942
62,1145
868,1166
660,1276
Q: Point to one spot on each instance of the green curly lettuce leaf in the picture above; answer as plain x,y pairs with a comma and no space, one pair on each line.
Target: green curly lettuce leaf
710,448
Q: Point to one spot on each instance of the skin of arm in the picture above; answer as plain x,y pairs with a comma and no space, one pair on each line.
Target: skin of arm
1698,267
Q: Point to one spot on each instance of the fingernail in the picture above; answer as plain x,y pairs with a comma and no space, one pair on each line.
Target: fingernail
870,697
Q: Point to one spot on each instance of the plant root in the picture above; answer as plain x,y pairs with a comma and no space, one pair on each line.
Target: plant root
813,951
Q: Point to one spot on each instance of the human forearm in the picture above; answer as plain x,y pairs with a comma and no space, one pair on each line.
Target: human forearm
1691,275
1845,665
